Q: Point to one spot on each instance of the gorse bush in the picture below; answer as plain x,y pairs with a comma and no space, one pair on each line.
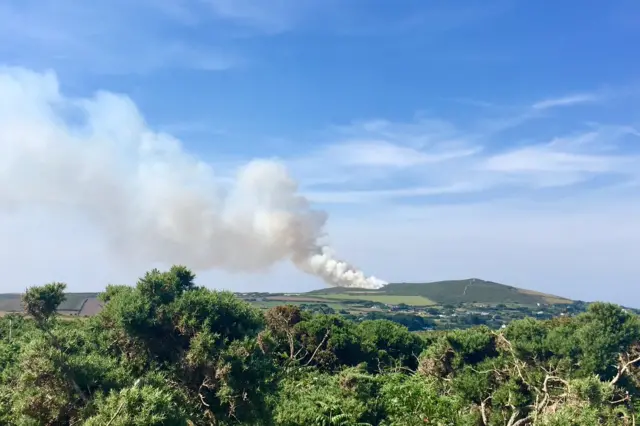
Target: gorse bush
166,352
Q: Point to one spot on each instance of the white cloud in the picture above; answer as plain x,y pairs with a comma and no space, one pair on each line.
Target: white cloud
543,159
569,100
383,153
571,159
378,197
423,132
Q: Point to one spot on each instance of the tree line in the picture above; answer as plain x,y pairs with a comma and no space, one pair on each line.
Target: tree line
167,352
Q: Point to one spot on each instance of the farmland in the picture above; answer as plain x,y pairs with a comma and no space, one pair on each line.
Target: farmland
436,305
382,298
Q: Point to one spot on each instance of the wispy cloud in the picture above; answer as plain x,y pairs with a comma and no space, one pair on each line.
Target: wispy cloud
107,36
385,154
351,17
118,36
379,161
379,151
569,100
546,166
471,102
270,17
376,196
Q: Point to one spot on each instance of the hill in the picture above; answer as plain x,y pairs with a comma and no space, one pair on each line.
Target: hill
472,290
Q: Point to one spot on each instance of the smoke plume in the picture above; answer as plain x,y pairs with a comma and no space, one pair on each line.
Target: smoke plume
155,202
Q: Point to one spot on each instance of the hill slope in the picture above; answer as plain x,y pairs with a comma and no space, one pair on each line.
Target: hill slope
452,292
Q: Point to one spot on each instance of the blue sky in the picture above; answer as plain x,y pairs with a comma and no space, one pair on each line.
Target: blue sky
446,139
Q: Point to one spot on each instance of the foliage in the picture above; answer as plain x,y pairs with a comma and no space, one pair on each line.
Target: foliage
412,322
310,398
42,302
167,352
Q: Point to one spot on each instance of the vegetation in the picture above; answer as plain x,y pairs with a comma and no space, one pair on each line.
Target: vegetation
386,299
166,352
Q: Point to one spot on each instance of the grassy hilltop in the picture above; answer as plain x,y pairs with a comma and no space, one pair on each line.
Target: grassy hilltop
452,292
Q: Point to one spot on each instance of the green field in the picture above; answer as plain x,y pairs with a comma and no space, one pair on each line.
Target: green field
383,298
268,304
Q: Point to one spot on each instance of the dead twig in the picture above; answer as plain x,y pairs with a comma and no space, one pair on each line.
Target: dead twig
324,339
623,367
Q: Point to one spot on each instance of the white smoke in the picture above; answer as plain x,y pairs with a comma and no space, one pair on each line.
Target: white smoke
155,202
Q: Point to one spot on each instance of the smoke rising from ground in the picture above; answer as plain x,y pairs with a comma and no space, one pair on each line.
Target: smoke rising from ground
155,202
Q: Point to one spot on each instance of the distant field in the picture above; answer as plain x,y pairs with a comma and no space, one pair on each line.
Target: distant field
302,299
383,298
268,304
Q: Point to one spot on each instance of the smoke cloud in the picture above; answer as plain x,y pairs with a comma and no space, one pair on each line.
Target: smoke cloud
155,202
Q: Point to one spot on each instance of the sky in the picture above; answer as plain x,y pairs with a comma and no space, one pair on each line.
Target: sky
445,139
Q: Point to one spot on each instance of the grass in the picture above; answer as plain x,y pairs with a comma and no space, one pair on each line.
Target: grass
301,299
383,298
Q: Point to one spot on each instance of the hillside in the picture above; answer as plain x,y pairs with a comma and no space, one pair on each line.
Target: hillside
452,292
75,304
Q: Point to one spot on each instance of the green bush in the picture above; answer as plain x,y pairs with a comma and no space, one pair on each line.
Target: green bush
166,352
